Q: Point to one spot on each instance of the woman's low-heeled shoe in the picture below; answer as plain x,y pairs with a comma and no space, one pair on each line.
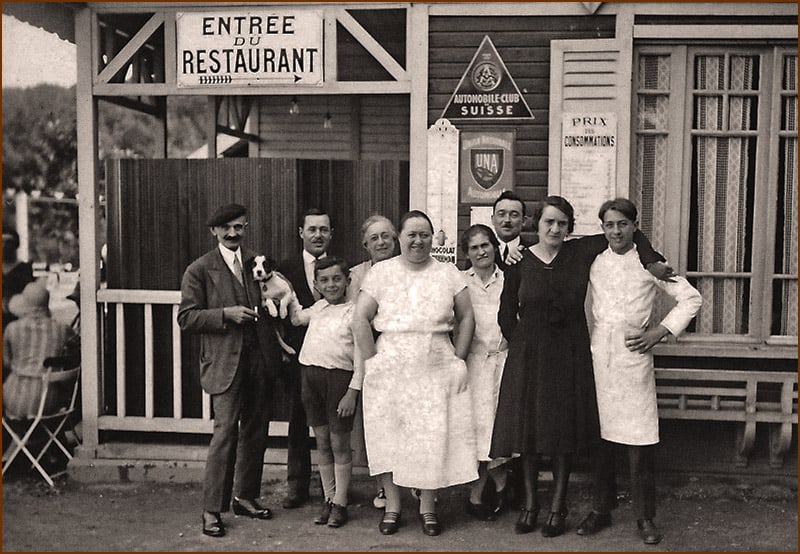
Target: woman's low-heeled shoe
555,524
430,524
390,523
527,521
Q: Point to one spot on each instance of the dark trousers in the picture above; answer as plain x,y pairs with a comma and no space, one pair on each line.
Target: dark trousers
298,463
643,484
241,426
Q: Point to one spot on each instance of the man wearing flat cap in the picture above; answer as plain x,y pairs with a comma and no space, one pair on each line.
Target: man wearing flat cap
239,357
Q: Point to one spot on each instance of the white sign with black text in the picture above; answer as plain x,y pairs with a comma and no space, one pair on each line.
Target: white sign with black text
588,165
260,48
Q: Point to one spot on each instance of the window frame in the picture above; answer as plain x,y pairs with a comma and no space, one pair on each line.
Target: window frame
758,341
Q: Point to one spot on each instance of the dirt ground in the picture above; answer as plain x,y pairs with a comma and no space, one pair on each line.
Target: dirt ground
696,513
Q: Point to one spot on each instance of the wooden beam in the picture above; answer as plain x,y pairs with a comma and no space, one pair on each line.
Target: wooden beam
89,252
137,41
130,103
164,89
371,45
238,134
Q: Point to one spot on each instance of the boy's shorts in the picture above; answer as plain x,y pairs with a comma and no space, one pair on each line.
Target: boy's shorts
322,390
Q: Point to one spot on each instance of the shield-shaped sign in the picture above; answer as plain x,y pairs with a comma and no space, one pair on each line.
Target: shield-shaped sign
486,166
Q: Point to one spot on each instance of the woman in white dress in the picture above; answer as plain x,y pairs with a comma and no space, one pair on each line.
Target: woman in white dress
379,238
417,409
487,355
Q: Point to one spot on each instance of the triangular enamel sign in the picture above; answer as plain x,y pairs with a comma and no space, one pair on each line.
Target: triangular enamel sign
487,92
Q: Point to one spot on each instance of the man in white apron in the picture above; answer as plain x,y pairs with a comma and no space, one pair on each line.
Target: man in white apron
623,293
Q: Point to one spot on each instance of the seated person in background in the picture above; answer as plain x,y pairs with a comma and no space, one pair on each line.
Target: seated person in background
27,342
16,274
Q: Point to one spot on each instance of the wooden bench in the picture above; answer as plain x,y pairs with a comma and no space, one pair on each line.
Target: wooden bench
745,396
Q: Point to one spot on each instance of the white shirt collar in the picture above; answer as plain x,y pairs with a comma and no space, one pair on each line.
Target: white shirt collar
228,255
511,244
308,257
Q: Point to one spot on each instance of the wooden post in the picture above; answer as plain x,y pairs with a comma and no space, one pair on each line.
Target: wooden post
89,253
417,50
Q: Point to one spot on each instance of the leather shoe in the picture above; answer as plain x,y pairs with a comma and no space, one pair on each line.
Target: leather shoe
338,515
294,500
594,523
324,514
501,500
430,524
526,521
480,511
212,524
555,524
648,531
250,508
390,523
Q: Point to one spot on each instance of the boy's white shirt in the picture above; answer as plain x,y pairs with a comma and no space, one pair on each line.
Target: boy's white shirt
329,340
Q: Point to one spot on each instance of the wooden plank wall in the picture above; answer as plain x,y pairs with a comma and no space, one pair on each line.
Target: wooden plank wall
157,211
374,127
524,45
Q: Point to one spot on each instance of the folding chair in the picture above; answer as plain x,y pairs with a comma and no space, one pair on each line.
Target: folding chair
51,422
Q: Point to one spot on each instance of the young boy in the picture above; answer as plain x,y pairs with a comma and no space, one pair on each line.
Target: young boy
330,390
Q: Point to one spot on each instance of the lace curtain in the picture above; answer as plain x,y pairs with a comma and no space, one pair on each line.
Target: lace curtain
722,204
785,301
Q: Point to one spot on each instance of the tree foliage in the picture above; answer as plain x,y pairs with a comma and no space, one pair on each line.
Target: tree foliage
40,145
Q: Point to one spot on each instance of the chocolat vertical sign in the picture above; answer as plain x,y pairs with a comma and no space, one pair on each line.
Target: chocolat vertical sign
249,47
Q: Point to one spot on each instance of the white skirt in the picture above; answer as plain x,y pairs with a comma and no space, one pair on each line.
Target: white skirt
416,425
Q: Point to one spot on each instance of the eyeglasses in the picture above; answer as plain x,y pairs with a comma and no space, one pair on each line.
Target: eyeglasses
238,227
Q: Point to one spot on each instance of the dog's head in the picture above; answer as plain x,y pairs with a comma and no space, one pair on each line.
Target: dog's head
262,268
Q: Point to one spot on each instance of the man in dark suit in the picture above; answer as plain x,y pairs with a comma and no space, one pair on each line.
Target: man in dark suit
508,217
315,231
239,357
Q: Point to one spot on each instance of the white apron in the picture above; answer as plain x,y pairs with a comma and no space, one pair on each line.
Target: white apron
623,293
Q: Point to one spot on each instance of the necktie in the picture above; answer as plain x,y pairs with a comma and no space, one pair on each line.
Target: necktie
505,253
237,270
314,290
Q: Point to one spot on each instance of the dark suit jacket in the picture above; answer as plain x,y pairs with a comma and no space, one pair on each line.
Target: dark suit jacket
294,270
206,288
523,240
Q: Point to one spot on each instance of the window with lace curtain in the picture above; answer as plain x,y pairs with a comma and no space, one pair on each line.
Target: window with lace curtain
714,173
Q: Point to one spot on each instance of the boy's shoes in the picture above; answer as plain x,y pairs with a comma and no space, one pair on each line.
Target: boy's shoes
594,523
648,531
338,515
324,514
380,499
250,508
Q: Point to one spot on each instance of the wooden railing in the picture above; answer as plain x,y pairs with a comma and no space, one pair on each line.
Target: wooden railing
116,300
746,396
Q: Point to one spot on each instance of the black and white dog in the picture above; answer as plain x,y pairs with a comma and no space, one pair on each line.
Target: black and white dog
276,293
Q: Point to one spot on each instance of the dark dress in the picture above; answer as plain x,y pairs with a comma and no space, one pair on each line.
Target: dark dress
547,402
14,283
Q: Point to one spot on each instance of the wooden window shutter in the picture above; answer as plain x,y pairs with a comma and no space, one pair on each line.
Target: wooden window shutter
592,76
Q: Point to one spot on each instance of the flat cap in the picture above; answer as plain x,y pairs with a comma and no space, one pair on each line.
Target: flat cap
226,213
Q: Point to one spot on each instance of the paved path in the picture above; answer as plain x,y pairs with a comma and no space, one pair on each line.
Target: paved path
696,513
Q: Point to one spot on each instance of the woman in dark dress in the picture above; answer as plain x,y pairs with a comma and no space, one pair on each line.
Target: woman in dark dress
16,274
547,403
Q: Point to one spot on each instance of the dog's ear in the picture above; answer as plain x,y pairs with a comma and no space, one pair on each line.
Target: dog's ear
270,264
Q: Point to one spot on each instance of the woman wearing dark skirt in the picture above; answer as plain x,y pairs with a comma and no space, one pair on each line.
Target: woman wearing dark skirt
547,403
